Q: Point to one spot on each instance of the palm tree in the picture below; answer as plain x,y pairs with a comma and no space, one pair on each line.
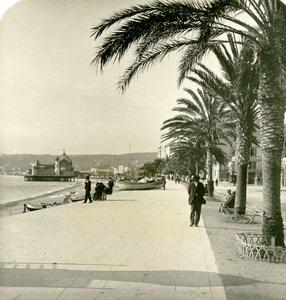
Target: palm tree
159,28
188,153
238,89
207,121
153,168
166,165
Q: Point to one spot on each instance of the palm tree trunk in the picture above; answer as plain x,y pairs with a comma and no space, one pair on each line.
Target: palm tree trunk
272,219
242,156
272,108
210,173
241,184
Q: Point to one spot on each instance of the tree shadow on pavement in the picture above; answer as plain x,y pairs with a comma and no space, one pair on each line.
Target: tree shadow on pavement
56,277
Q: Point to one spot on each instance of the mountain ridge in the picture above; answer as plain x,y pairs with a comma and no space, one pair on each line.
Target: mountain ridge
17,163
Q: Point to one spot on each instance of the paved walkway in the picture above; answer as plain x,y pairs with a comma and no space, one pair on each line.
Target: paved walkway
135,245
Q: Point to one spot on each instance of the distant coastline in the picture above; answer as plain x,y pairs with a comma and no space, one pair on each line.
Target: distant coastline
18,164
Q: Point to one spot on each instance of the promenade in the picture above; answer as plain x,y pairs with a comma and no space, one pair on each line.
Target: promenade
135,245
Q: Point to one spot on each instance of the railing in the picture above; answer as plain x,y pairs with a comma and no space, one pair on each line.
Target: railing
252,245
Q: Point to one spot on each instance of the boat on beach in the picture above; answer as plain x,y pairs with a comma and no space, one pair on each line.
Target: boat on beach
159,184
32,207
129,185
142,184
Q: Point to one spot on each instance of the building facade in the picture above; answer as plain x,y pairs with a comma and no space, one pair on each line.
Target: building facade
60,170
254,172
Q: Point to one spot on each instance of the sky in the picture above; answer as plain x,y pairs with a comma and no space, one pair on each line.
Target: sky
53,99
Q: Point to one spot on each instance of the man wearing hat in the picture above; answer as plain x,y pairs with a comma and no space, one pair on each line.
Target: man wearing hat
196,191
87,187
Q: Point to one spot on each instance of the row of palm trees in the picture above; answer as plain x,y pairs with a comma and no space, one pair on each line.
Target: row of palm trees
249,39
226,109
199,129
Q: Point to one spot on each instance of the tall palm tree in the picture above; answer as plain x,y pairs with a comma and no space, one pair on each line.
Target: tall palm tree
237,87
207,121
153,30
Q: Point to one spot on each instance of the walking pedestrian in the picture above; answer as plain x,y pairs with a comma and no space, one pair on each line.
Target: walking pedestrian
87,187
164,182
196,191
110,185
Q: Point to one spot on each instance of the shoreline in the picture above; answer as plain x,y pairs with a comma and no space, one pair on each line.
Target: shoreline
15,202
16,206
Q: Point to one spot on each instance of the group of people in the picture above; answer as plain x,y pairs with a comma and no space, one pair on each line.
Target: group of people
101,190
196,192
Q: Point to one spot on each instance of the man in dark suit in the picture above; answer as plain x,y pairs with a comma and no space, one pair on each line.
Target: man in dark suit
87,187
110,185
196,191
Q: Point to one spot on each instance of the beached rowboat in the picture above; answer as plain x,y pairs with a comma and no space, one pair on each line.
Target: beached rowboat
128,185
159,184
32,207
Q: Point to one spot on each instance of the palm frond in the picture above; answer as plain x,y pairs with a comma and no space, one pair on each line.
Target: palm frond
147,59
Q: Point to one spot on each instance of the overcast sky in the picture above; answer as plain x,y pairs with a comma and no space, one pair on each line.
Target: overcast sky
53,99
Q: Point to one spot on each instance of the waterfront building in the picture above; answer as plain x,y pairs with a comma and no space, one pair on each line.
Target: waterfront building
60,170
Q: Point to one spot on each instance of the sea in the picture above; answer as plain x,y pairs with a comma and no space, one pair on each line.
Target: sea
15,188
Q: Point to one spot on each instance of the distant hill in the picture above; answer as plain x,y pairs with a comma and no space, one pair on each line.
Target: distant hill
14,163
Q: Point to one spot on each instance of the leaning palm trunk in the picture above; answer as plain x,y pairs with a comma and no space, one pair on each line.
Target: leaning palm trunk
242,155
210,173
272,137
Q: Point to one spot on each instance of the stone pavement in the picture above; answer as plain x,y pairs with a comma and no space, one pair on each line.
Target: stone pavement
135,245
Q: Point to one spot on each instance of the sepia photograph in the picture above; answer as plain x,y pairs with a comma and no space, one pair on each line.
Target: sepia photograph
143,149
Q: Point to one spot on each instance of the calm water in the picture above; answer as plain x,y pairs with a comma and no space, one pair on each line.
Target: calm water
14,188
